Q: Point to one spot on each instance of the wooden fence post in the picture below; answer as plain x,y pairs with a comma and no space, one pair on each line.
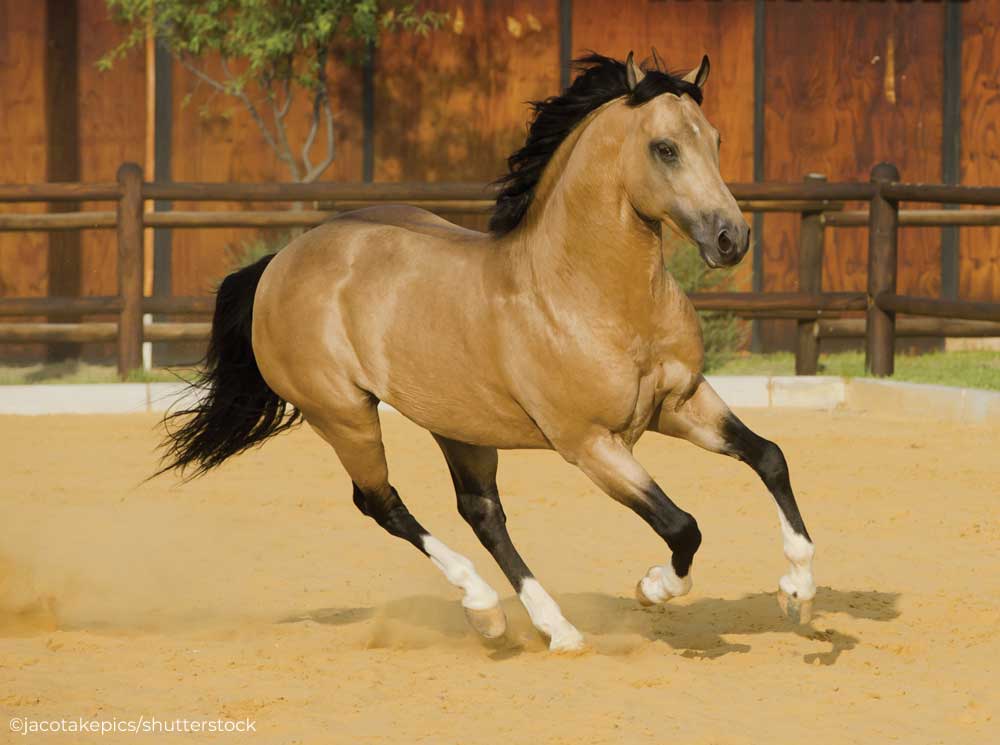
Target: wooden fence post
811,281
883,225
130,262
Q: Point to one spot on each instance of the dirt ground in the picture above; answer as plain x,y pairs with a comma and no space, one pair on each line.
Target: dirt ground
259,591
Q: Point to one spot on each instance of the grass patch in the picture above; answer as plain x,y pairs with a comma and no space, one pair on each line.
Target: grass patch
966,369
82,372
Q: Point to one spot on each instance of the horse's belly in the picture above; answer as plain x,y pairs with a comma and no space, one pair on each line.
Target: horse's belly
476,417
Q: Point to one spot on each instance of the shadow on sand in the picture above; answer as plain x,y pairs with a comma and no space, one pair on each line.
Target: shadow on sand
696,629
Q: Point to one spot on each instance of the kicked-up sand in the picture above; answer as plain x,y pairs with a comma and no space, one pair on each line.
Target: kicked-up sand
260,593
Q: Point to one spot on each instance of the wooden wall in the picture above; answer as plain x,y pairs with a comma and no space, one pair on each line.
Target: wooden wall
846,85
979,248
457,118
846,89
23,261
112,131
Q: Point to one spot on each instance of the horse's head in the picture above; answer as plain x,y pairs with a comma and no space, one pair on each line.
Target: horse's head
670,167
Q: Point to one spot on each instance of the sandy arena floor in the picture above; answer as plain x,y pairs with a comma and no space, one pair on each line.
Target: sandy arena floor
261,592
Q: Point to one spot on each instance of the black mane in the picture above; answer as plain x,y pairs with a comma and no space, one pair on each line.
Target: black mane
601,79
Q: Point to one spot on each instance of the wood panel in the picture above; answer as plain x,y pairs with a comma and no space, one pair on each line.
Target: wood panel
979,248
23,256
848,86
682,31
62,124
215,139
112,130
23,262
461,114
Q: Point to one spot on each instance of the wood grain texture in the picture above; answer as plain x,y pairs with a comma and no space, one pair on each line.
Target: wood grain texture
112,130
682,31
62,126
452,106
849,85
23,138
979,248
23,261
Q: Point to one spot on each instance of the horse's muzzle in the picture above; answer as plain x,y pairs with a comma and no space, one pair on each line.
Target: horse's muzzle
729,243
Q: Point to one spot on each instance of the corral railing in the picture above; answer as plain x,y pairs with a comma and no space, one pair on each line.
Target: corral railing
820,205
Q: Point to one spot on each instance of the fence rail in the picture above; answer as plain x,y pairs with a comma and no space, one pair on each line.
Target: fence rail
820,205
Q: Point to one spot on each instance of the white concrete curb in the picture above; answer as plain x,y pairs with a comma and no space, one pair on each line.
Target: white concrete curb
967,405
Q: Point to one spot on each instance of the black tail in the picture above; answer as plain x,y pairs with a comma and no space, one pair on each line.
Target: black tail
234,409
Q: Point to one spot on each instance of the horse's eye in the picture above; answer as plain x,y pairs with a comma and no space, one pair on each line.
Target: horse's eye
665,151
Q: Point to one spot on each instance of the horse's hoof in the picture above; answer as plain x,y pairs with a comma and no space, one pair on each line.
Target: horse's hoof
567,641
490,623
797,611
644,601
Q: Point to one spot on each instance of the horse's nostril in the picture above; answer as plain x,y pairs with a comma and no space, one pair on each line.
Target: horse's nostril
727,246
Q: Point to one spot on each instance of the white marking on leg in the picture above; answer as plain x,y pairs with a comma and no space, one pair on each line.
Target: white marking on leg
799,551
461,573
547,618
662,583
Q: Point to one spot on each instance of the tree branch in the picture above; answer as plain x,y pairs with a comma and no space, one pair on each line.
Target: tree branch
289,95
321,103
313,127
284,149
201,75
316,172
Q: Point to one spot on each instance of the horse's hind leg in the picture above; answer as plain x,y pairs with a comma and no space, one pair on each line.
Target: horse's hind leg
473,471
356,435
706,421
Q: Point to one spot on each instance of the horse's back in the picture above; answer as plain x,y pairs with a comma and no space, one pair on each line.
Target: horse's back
407,217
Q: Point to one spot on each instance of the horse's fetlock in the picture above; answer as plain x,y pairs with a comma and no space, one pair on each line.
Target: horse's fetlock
685,536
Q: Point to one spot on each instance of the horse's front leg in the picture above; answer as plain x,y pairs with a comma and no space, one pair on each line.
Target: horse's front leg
610,464
706,421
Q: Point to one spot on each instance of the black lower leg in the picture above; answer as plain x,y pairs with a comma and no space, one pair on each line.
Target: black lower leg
766,458
387,509
485,515
473,472
675,526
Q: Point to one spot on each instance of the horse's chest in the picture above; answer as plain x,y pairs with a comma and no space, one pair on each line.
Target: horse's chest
667,370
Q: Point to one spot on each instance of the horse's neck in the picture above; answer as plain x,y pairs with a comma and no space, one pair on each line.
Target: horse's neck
582,238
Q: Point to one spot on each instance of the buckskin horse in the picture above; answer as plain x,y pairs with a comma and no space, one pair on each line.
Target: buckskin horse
560,328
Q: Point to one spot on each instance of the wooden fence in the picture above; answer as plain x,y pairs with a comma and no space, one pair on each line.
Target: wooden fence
819,314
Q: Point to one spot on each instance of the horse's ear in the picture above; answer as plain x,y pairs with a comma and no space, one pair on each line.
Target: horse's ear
633,73
658,62
699,75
